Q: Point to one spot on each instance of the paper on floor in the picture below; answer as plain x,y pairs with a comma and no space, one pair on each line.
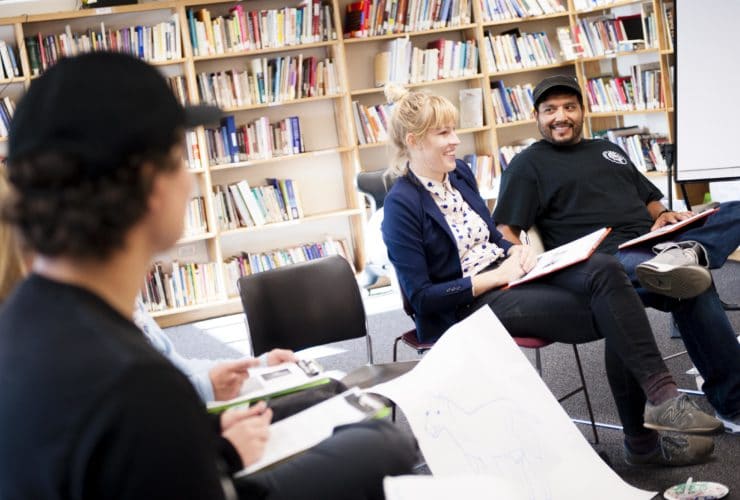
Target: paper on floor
477,406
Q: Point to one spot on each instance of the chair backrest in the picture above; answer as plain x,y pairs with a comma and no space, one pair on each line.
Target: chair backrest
375,185
303,305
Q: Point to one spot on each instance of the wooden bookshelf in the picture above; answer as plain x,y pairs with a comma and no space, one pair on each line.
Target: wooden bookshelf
334,155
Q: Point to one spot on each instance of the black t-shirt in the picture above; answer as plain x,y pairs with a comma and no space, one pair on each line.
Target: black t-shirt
570,191
89,410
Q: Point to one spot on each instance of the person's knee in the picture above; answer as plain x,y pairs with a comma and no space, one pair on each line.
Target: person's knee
381,441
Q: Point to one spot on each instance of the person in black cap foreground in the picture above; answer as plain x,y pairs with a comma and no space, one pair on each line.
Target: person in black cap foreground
88,408
569,186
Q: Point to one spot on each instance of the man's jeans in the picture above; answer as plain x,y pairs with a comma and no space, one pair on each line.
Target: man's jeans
706,331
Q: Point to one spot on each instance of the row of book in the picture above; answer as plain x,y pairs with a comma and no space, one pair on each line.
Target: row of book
160,42
380,17
179,86
246,263
598,36
371,122
642,146
441,59
239,205
242,30
7,108
499,10
182,285
192,151
517,50
195,218
257,140
274,80
639,91
512,104
482,168
508,152
9,67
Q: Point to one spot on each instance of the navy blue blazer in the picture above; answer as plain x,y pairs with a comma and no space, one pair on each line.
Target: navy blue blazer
423,251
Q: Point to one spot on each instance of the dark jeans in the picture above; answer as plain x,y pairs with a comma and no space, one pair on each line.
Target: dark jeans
705,330
351,464
586,302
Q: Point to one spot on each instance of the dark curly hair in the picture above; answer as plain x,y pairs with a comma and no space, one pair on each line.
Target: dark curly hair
61,210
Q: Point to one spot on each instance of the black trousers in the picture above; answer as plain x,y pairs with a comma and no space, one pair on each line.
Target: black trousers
585,302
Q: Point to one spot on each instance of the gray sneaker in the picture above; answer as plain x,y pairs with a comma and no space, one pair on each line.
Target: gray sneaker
679,270
674,451
680,414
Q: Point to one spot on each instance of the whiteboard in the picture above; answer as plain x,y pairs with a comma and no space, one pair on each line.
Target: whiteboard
707,84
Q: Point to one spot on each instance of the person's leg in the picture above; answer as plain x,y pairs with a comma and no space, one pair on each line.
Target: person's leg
551,313
617,311
290,404
713,347
351,464
708,336
719,235
621,319
545,311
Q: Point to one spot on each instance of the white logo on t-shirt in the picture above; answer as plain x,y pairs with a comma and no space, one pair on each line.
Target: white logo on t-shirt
614,157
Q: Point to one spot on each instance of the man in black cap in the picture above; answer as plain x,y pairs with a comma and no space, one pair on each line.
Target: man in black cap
88,408
569,186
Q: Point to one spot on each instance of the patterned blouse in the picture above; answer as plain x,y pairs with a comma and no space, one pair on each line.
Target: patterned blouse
470,230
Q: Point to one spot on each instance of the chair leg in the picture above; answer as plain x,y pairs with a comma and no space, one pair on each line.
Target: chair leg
395,349
538,361
585,395
369,348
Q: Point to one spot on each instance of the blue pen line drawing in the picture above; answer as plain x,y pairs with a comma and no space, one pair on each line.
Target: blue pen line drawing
518,451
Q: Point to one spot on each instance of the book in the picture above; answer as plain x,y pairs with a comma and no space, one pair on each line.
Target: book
308,428
273,381
471,108
564,256
670,228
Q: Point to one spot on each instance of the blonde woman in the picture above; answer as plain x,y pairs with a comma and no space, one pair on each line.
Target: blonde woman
450,259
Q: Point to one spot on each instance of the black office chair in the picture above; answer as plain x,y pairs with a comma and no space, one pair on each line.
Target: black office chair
374,186
304,305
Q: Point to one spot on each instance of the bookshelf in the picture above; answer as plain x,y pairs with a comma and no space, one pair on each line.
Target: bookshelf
331,151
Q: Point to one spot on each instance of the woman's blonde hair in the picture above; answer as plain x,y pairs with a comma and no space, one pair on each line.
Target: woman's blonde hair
12,268
414,112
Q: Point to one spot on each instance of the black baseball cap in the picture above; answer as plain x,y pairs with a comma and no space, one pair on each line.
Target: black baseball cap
102,108
551,82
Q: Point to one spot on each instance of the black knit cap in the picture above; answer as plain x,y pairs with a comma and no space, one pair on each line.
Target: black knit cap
552,82
103,108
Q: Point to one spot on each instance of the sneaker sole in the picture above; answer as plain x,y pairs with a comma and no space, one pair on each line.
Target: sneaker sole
679,282
702,431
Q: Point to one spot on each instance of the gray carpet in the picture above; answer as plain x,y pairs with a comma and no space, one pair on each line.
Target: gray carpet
561,376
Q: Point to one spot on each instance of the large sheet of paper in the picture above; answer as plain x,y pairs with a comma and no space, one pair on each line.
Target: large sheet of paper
477,406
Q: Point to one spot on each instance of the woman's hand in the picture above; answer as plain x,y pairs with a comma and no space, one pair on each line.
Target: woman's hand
527,256
249,434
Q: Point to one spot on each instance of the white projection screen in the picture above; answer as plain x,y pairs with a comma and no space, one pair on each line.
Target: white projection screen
707,87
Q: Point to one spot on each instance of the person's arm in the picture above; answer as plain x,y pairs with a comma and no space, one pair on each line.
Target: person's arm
196,370
149,437
510,233
664,216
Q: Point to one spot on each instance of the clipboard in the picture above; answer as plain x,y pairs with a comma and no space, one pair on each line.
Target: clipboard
564,256
308,428
667,229
274,381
